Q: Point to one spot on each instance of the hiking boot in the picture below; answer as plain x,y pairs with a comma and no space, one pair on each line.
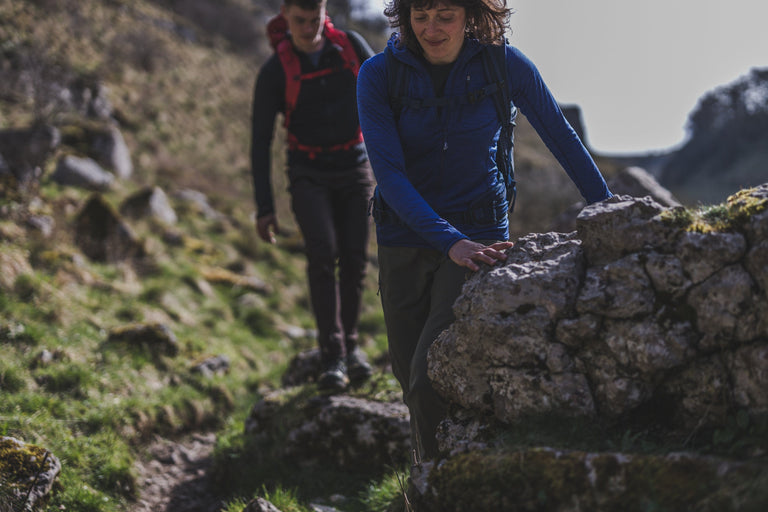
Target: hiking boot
333,376
358,368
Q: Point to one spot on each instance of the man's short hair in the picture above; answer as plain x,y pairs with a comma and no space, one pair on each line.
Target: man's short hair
308,5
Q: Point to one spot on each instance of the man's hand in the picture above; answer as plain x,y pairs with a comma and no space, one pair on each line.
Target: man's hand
267,227
466,252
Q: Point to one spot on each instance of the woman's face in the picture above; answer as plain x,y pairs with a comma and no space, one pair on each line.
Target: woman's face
440,31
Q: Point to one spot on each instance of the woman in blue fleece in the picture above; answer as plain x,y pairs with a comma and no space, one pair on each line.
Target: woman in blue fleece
437,163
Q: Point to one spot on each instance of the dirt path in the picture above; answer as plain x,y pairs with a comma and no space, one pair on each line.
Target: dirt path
174,476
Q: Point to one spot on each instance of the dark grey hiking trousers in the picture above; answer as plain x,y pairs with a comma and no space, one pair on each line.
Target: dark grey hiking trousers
331,209
418,288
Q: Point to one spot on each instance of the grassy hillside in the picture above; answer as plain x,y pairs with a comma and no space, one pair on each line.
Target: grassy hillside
180,81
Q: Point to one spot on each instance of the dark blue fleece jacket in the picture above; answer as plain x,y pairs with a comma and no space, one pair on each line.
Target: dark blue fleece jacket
433,162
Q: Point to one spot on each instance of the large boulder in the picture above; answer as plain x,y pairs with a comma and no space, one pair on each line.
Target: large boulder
640,314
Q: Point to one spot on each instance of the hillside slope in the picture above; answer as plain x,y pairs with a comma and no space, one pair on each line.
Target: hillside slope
178,78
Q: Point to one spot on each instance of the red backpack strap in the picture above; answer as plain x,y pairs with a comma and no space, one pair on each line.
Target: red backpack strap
340,39
277,30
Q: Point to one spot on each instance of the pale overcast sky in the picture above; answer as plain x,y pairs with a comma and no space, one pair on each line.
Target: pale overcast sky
637,69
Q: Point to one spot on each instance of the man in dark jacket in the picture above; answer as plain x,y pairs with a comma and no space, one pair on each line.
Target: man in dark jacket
311,80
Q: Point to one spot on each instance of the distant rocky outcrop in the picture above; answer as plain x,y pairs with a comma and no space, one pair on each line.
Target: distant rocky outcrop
727,146
631,181
572,114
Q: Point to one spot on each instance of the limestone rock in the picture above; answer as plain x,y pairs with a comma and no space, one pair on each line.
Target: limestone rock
621,225
637,315
352,432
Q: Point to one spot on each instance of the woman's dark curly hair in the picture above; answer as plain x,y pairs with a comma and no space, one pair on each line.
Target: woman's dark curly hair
487,20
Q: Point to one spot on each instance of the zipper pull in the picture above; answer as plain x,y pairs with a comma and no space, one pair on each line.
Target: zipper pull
445,145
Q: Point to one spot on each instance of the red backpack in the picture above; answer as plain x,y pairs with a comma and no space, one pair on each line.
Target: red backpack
277,30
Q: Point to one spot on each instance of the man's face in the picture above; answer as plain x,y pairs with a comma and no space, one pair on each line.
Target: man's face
306,26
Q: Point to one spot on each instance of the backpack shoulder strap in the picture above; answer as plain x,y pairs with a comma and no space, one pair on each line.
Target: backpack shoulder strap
397,82
277,30
343,44
494,64
292,71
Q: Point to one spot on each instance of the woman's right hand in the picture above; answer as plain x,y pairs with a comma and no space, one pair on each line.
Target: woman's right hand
466,252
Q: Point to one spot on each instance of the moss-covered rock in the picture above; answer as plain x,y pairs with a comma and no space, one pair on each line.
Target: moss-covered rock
27,474
550,480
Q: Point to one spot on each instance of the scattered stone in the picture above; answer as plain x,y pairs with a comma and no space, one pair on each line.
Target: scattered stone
150,202
259,504
200,202
82,172
42,224
156,338
103,236
111,150
216,365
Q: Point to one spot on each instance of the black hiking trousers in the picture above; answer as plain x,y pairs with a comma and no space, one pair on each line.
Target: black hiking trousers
331,209
418,287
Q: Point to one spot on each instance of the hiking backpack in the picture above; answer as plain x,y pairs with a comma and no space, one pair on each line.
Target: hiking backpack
277,30
494,66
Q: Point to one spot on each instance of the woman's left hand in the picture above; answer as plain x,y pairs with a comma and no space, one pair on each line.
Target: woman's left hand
466,252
